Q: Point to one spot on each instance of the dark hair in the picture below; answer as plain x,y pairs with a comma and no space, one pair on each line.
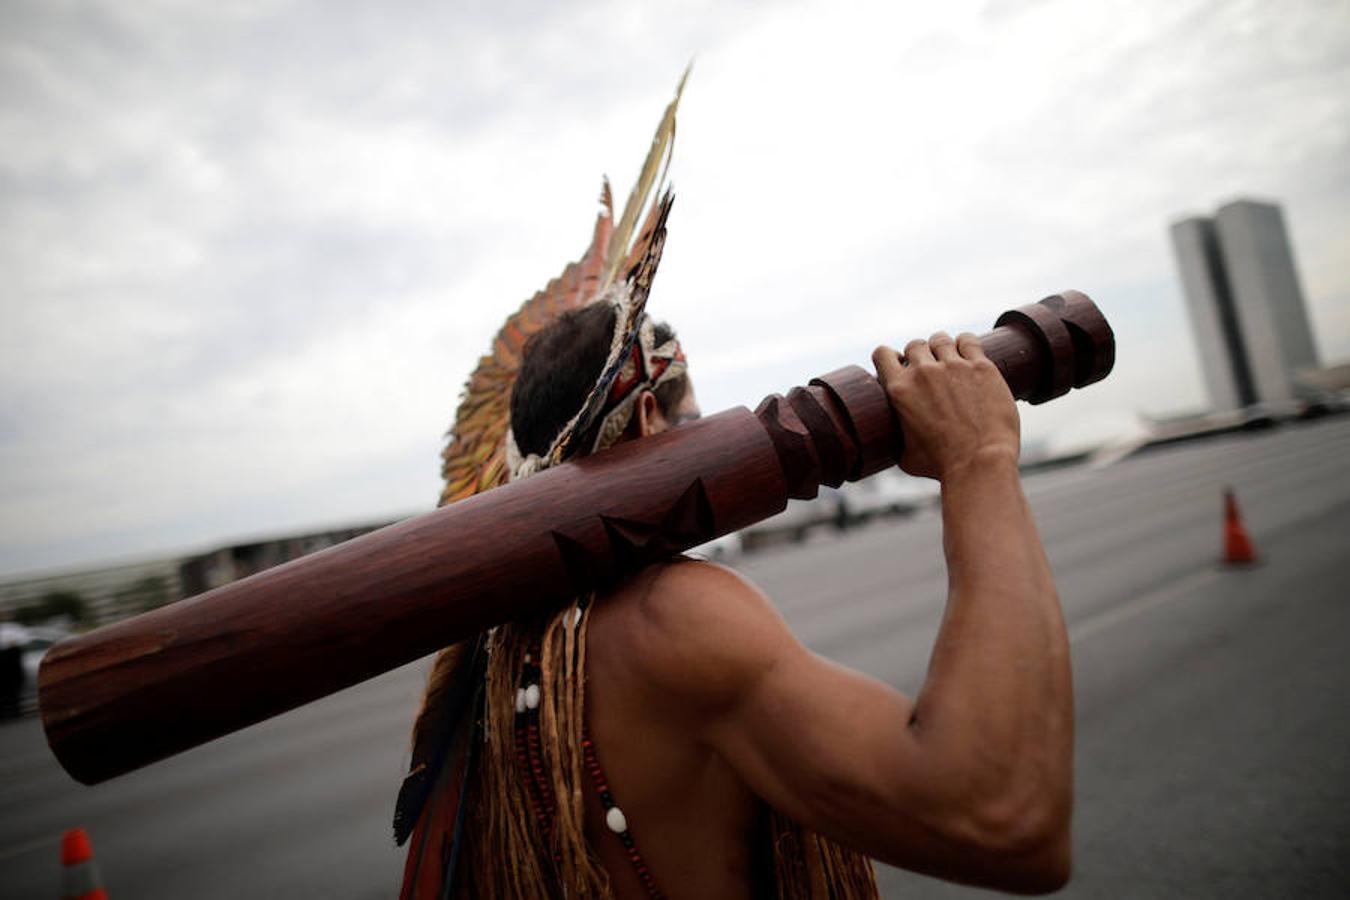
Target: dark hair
561,364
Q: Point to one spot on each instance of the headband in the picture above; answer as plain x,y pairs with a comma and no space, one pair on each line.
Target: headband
636,363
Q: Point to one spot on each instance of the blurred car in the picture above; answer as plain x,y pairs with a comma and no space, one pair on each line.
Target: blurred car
728,546
33,643
796,521
888,493
43,636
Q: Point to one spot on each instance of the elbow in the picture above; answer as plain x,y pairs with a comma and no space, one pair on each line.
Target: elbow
1044,872
1028,845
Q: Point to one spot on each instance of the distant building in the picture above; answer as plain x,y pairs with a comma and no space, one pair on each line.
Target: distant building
210,570
103,594
1222,352
107,593
1245,303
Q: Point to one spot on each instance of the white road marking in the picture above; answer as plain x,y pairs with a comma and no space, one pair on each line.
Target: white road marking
29,847
1175,590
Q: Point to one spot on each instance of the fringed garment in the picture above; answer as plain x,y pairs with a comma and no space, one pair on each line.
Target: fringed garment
522,823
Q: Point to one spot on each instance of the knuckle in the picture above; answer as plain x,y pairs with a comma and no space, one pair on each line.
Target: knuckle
969,345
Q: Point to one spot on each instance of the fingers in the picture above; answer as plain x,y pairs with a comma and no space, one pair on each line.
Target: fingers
887,361
939,348
943,347
917,353
969,346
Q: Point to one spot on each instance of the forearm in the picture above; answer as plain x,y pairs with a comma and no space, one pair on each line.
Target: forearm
997,706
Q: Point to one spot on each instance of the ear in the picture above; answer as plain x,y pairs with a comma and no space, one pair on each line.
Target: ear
648,415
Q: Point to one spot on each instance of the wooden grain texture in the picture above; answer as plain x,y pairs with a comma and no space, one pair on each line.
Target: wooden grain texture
148,687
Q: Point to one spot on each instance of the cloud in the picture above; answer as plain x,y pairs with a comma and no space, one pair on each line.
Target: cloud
252,252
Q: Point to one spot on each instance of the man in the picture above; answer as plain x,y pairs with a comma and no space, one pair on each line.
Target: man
701,712
668,736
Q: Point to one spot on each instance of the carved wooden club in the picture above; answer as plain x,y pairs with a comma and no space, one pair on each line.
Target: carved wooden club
148,687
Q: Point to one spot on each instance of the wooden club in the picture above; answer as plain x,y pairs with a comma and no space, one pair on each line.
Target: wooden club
148,687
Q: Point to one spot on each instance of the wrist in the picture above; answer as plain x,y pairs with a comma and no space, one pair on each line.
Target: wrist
996,460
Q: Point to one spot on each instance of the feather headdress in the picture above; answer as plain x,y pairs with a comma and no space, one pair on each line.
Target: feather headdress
615,268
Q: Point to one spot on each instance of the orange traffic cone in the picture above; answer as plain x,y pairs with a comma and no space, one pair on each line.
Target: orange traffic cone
79,873
1237,546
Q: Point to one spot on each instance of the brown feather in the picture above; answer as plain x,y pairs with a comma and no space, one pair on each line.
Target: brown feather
482,419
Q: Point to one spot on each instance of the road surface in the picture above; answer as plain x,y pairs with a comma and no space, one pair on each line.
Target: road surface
1213,746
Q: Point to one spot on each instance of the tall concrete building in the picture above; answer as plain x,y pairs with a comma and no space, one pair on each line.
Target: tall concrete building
1245,303
1223,354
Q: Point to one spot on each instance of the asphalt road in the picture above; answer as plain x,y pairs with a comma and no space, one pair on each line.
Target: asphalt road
1213,747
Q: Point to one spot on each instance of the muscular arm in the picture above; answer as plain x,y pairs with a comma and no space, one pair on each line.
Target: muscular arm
971,781
999,693
998,697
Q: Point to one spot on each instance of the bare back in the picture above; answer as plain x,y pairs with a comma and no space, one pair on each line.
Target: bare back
691,816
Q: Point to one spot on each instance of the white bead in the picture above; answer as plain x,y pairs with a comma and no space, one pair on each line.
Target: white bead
576,617
616,820
520,700
528,658
532,697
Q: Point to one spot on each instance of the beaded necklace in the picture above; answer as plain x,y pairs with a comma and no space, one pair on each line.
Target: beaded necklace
530,761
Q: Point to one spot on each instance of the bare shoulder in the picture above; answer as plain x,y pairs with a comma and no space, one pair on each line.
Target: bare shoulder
686,598
700,634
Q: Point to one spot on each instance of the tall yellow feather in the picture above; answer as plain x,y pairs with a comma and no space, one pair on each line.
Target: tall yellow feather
658,160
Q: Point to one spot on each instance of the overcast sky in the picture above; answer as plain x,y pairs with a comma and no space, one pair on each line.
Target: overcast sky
251,251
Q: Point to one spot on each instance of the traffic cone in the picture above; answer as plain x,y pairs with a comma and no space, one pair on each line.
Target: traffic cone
79,873
1237,546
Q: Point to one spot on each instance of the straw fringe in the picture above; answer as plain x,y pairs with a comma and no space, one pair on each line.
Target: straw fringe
505,853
